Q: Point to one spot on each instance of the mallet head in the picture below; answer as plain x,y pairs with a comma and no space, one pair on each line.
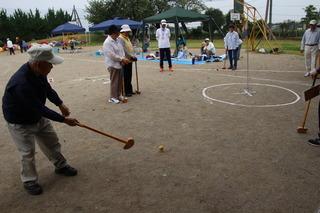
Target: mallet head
302,130
129,144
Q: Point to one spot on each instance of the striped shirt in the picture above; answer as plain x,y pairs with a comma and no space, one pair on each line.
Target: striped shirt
310,38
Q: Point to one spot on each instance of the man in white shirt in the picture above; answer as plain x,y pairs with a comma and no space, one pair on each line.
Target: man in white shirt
163,38
209,48
114,59
10,46
310,45
231,43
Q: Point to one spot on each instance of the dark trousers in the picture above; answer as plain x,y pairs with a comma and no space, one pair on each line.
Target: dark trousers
127,75
233,54
11,51
165,52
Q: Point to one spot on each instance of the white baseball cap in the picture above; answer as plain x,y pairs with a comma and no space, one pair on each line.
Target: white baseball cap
163,21
43,52
125,28
313,22
207,39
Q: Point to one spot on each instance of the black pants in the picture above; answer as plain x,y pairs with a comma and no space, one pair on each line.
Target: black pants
165,52
127,75
11,51
233,58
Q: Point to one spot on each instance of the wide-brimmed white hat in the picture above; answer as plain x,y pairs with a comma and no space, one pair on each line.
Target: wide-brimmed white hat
207,39
163,21
125,28
43,52
313,22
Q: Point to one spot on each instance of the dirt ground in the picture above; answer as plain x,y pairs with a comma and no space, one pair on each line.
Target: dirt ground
244,156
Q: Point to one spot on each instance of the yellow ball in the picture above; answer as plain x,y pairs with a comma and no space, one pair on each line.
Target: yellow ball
161,148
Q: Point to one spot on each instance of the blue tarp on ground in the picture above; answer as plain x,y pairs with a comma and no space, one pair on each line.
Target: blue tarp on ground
67,28
116,21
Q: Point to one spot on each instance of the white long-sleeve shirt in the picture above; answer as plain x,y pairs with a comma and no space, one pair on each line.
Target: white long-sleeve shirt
163,37
113,53
310,38
210,47
9,44
231,40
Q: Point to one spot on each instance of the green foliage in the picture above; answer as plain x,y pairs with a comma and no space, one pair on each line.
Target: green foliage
30,25
217,24
101,10
311,13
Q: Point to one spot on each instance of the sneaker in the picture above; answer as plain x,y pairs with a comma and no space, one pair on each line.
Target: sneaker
229,68
314,142
114,101
66,171
32,187
170,69
161,69
307,74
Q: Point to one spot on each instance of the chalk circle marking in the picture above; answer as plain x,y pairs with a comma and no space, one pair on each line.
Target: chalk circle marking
204,93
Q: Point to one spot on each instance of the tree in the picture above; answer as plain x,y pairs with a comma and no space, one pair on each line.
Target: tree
101,10
311,13
30,25
196,5
217,16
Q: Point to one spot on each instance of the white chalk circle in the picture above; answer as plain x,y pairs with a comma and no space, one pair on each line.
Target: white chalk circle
297,97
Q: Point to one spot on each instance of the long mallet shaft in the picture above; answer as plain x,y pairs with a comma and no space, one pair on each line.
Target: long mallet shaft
137,78
302,128
128,143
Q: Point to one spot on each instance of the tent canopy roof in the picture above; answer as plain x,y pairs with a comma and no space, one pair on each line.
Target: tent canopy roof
177,14
116,21
67,28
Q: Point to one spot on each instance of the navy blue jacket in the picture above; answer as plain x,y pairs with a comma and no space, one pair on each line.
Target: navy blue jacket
25,98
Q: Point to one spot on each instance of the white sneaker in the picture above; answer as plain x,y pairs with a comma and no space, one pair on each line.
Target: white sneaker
114,101
307,74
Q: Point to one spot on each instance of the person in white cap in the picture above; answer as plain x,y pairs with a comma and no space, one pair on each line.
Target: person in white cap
28,118
129,53
209,48
310,45
114,60
163,38
10,46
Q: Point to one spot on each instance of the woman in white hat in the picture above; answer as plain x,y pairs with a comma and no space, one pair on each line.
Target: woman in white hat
129,53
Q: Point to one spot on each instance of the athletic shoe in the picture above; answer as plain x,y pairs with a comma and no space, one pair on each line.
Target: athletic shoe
170,69
161,69
307,74
32,187
229,68
114,101
314,142
66,171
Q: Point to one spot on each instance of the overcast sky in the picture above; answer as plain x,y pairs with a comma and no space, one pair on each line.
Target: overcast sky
283,9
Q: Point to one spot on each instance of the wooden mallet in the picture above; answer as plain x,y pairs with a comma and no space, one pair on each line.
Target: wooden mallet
137,79
128,142
309,94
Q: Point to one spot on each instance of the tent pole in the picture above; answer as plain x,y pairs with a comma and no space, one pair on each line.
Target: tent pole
176,28
143,37
210,30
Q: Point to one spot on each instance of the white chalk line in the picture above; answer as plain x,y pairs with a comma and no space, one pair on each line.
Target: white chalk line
239,70
224,75
247,105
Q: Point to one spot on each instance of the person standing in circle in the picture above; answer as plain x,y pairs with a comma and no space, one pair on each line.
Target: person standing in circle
310,46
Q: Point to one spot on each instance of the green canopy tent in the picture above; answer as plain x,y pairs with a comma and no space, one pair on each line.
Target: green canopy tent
178,15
